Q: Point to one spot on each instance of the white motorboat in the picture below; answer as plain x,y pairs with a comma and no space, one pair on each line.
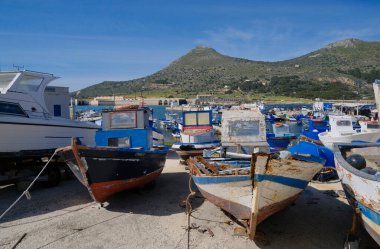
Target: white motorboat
342,131
26,126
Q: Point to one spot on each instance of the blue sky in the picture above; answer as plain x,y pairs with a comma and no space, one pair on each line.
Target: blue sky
87,42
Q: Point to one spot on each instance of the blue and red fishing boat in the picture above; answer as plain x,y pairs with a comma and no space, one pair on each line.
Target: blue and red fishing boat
124,156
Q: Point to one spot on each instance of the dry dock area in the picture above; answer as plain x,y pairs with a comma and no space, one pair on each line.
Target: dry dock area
66,217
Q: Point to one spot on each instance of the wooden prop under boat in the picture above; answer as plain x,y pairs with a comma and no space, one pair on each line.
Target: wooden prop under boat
106,171
361,188
254,191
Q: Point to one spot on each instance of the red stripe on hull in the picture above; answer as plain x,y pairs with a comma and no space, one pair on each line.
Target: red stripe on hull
102,191
242,212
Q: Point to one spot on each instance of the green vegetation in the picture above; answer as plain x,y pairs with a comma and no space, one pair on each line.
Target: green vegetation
341,69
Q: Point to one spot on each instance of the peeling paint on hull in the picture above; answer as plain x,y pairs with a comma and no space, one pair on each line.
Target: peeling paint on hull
361,189
281,182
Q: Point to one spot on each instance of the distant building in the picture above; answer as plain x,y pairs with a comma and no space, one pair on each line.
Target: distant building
57,101
206,97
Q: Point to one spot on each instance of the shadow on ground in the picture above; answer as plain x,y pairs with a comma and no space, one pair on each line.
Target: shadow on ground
165,198
318,219
43,200
168,197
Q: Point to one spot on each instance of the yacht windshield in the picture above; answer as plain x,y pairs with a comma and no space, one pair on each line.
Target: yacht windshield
6,79
29,83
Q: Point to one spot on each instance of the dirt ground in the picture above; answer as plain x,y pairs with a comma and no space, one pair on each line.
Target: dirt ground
66,217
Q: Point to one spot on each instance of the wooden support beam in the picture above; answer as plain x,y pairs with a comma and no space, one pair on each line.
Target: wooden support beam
258,167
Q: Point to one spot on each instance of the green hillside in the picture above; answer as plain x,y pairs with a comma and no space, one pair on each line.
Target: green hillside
343,69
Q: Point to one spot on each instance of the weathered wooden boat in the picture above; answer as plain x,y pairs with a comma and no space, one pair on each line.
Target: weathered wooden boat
253,190
196,134
124,158
358,165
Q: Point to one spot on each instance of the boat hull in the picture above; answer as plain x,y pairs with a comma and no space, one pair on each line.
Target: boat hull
281,184
361,190
106,171
19,136
328,140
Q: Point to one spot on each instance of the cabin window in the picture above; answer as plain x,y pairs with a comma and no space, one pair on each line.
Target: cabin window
5,79
190,119
204,118
11,109
123,120
119,142
244,128
343,123
197,118
57,111
29,83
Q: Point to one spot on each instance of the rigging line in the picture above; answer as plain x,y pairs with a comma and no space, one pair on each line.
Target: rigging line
26,192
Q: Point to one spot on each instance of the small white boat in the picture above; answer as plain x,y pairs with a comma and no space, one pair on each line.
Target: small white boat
358,166
342,131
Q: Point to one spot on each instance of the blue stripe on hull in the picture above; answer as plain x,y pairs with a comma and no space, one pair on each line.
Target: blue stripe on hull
219,179
291,182
369,213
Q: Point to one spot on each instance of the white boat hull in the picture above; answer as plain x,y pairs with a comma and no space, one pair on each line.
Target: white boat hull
17,136
328,139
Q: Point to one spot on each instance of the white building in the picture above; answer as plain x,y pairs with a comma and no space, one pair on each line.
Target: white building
57,100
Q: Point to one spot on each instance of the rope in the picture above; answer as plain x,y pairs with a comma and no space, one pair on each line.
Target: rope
26,192
189,209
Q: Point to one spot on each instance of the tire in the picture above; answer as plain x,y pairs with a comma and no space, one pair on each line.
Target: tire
54,177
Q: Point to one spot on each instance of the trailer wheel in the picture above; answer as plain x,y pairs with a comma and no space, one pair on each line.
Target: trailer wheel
54,177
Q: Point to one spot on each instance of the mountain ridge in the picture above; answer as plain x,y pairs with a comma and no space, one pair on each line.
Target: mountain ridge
350,63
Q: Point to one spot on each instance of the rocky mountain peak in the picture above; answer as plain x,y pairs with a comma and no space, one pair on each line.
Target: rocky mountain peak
347,43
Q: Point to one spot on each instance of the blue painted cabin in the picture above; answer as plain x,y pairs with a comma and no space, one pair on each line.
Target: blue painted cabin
128,128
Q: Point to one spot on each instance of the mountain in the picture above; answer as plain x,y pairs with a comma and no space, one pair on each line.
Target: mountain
341,68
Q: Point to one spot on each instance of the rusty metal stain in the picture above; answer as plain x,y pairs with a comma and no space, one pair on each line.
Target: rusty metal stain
349,176
269,168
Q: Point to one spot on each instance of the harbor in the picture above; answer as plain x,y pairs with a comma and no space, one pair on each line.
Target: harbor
236,176
67,217
189,125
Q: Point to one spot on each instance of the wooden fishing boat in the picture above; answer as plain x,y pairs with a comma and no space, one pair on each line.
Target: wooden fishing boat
124,158
357,165
253,190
